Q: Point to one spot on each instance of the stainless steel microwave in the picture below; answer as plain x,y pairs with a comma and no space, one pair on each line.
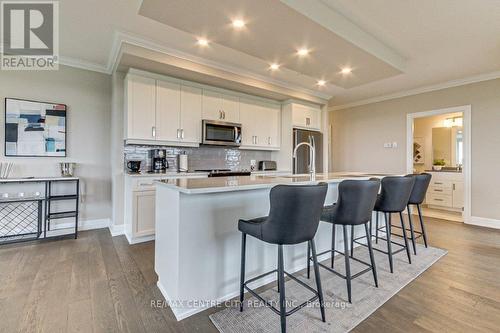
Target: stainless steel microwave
221,133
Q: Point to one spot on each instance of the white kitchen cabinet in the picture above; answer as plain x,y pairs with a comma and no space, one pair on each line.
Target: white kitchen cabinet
162,112
144,213
260,125
446,191
458,195
219,106
140,108
305,116
139,204
190,115
168,111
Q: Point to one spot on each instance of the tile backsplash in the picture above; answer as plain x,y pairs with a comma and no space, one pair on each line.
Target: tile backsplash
204,157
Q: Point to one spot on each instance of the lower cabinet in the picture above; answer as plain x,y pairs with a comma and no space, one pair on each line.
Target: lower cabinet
140,205
144,213
446,191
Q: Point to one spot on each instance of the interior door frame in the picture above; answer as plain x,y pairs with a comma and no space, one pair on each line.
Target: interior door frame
466,110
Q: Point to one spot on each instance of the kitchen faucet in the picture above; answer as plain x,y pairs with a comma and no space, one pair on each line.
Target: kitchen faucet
312,158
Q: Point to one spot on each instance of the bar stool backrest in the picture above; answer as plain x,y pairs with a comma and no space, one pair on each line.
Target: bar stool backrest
294,213
395,194
356,201
419,191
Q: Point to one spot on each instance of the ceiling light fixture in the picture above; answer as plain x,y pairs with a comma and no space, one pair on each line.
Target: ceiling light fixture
274,67
302,52
238,23
202,42
346,70
321,83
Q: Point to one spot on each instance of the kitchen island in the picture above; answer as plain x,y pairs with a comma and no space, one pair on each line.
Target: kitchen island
197,248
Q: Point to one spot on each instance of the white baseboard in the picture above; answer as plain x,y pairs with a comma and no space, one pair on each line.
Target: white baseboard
135,240
116,230
82,224
484,222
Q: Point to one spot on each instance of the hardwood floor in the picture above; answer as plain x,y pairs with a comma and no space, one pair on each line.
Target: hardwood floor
101,284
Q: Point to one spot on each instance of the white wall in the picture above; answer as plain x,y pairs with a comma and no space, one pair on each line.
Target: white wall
360,132
88,97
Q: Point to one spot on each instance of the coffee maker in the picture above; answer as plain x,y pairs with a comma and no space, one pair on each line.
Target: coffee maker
158,158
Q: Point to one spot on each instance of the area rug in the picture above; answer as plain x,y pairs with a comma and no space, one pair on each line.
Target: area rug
341,316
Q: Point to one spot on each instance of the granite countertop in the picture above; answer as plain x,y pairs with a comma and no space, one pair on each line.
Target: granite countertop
253,182
451,170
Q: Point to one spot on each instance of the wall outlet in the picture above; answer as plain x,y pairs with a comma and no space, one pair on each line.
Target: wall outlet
394,144
387,145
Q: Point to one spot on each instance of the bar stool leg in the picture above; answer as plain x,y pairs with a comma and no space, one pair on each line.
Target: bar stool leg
281,283
332,259
318,280
352,240
308,260
388,237
242,274
422,225
372,259
412,231
347,265
403,226
376,227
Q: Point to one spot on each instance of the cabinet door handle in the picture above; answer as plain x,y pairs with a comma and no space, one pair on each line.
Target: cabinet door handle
438,183
454,186
177,133
435,199
269,140
182,133
223,114
437,190
153,131
308,121
220,114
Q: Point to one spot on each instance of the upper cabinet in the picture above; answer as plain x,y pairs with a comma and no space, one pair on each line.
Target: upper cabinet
307,117
219,106
190,122
260,122
162,112
140,115
168,111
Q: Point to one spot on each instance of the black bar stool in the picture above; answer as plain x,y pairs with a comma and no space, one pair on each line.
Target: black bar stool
354,206
393,198
417,197
293,219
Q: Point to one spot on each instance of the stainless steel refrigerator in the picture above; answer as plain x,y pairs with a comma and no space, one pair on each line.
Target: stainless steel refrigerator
301,163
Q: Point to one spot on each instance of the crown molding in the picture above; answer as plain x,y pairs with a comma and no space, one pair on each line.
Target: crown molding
82,64
122,38
421,90
328,17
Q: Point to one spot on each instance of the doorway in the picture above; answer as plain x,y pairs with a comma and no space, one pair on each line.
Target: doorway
438,142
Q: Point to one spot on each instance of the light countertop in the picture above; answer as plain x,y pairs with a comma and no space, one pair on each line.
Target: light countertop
253,182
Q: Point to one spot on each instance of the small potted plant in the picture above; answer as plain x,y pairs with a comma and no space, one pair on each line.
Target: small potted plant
438,164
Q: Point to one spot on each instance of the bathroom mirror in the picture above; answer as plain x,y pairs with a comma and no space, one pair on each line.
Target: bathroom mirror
447,145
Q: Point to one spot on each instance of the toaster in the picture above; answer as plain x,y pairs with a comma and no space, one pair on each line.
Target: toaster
267,165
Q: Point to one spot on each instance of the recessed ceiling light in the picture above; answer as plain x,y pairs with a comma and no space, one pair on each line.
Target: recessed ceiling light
321,83
274,67
202,42
238,23
346,70
302,52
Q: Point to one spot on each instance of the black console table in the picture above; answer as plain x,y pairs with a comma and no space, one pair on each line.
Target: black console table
29,218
